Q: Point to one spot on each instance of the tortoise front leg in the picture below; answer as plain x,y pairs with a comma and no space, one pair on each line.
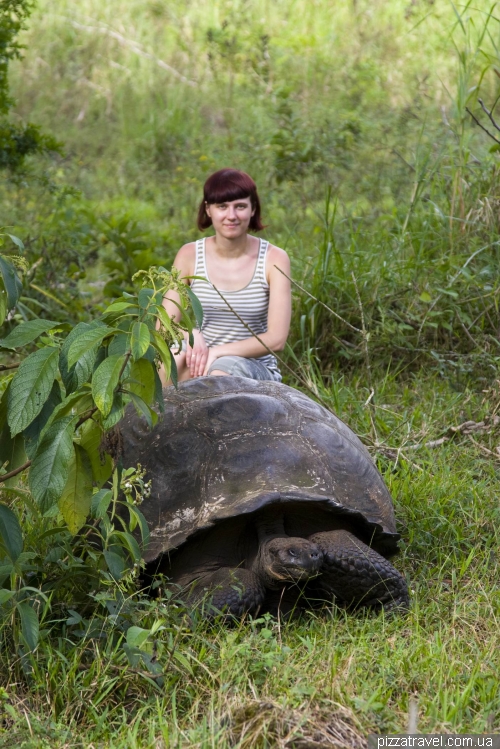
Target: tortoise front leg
357,574
234,591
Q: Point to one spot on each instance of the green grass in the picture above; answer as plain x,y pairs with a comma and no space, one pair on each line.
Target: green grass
261,683
359,107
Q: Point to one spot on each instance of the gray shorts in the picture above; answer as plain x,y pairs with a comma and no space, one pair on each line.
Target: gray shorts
239,366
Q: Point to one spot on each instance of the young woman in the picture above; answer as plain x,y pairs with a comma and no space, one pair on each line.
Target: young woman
243,293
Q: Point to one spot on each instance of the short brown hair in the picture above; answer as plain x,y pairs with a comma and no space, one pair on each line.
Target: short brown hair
226,185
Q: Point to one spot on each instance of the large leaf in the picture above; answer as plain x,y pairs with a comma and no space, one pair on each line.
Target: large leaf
26,333
104,381
11,282
49,470
77,494
116,564
90,440
31,387
141,380
196,305
29,624
11,536
74,376
139,340
33,431
86,341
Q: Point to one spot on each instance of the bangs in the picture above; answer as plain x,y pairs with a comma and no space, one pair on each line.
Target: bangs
228,184
227,192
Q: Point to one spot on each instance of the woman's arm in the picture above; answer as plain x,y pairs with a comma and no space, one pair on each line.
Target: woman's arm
278,318
196,356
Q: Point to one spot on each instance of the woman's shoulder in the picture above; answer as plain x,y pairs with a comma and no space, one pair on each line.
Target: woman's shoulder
277,256
185,258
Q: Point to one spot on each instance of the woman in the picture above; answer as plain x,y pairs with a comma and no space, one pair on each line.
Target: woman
255,296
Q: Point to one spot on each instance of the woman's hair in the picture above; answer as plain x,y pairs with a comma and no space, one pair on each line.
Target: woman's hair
226,185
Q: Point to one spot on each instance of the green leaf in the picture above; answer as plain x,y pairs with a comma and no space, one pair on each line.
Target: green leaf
143,408
166,321
141,380
49,470
90,440
6,595
3,303
159,392
86,341
12,283
33,431
164,351
5,438
75,500
116,565
116,413
137,636
138,517
17,458
196,305
144,297
29,624
74,376
104,381
100,502
120,344
16,241
140,340
31,387
26,333
118,307
130,543
425,297
10,533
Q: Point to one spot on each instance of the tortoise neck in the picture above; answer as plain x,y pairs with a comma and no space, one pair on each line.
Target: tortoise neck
270,526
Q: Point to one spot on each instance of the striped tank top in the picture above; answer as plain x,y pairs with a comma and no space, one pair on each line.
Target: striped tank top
220,323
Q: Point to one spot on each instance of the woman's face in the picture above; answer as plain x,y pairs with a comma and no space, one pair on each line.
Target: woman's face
231,219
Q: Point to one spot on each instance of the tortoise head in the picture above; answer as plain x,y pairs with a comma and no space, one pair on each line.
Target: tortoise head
286,559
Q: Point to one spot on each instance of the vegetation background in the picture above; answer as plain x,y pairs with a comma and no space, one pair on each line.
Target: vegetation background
352,117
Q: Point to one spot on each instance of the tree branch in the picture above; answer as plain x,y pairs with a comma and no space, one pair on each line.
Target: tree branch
13,473
5,367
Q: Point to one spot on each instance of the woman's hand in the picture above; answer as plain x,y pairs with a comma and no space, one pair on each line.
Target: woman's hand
196,356
213,353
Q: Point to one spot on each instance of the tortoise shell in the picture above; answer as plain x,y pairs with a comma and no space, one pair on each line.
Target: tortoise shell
231,446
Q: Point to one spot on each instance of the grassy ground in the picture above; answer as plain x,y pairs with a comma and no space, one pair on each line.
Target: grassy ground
364,102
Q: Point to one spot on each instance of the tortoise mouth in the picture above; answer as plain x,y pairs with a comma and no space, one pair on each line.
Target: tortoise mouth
295,572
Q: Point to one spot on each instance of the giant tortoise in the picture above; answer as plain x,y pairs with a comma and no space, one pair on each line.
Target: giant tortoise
258,492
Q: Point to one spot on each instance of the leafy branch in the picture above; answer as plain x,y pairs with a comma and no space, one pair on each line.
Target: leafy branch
74,388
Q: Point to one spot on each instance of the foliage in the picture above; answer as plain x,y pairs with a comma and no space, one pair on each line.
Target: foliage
352,119
57,414
16,141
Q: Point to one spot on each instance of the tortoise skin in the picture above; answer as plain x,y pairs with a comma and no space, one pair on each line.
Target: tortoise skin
230,446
